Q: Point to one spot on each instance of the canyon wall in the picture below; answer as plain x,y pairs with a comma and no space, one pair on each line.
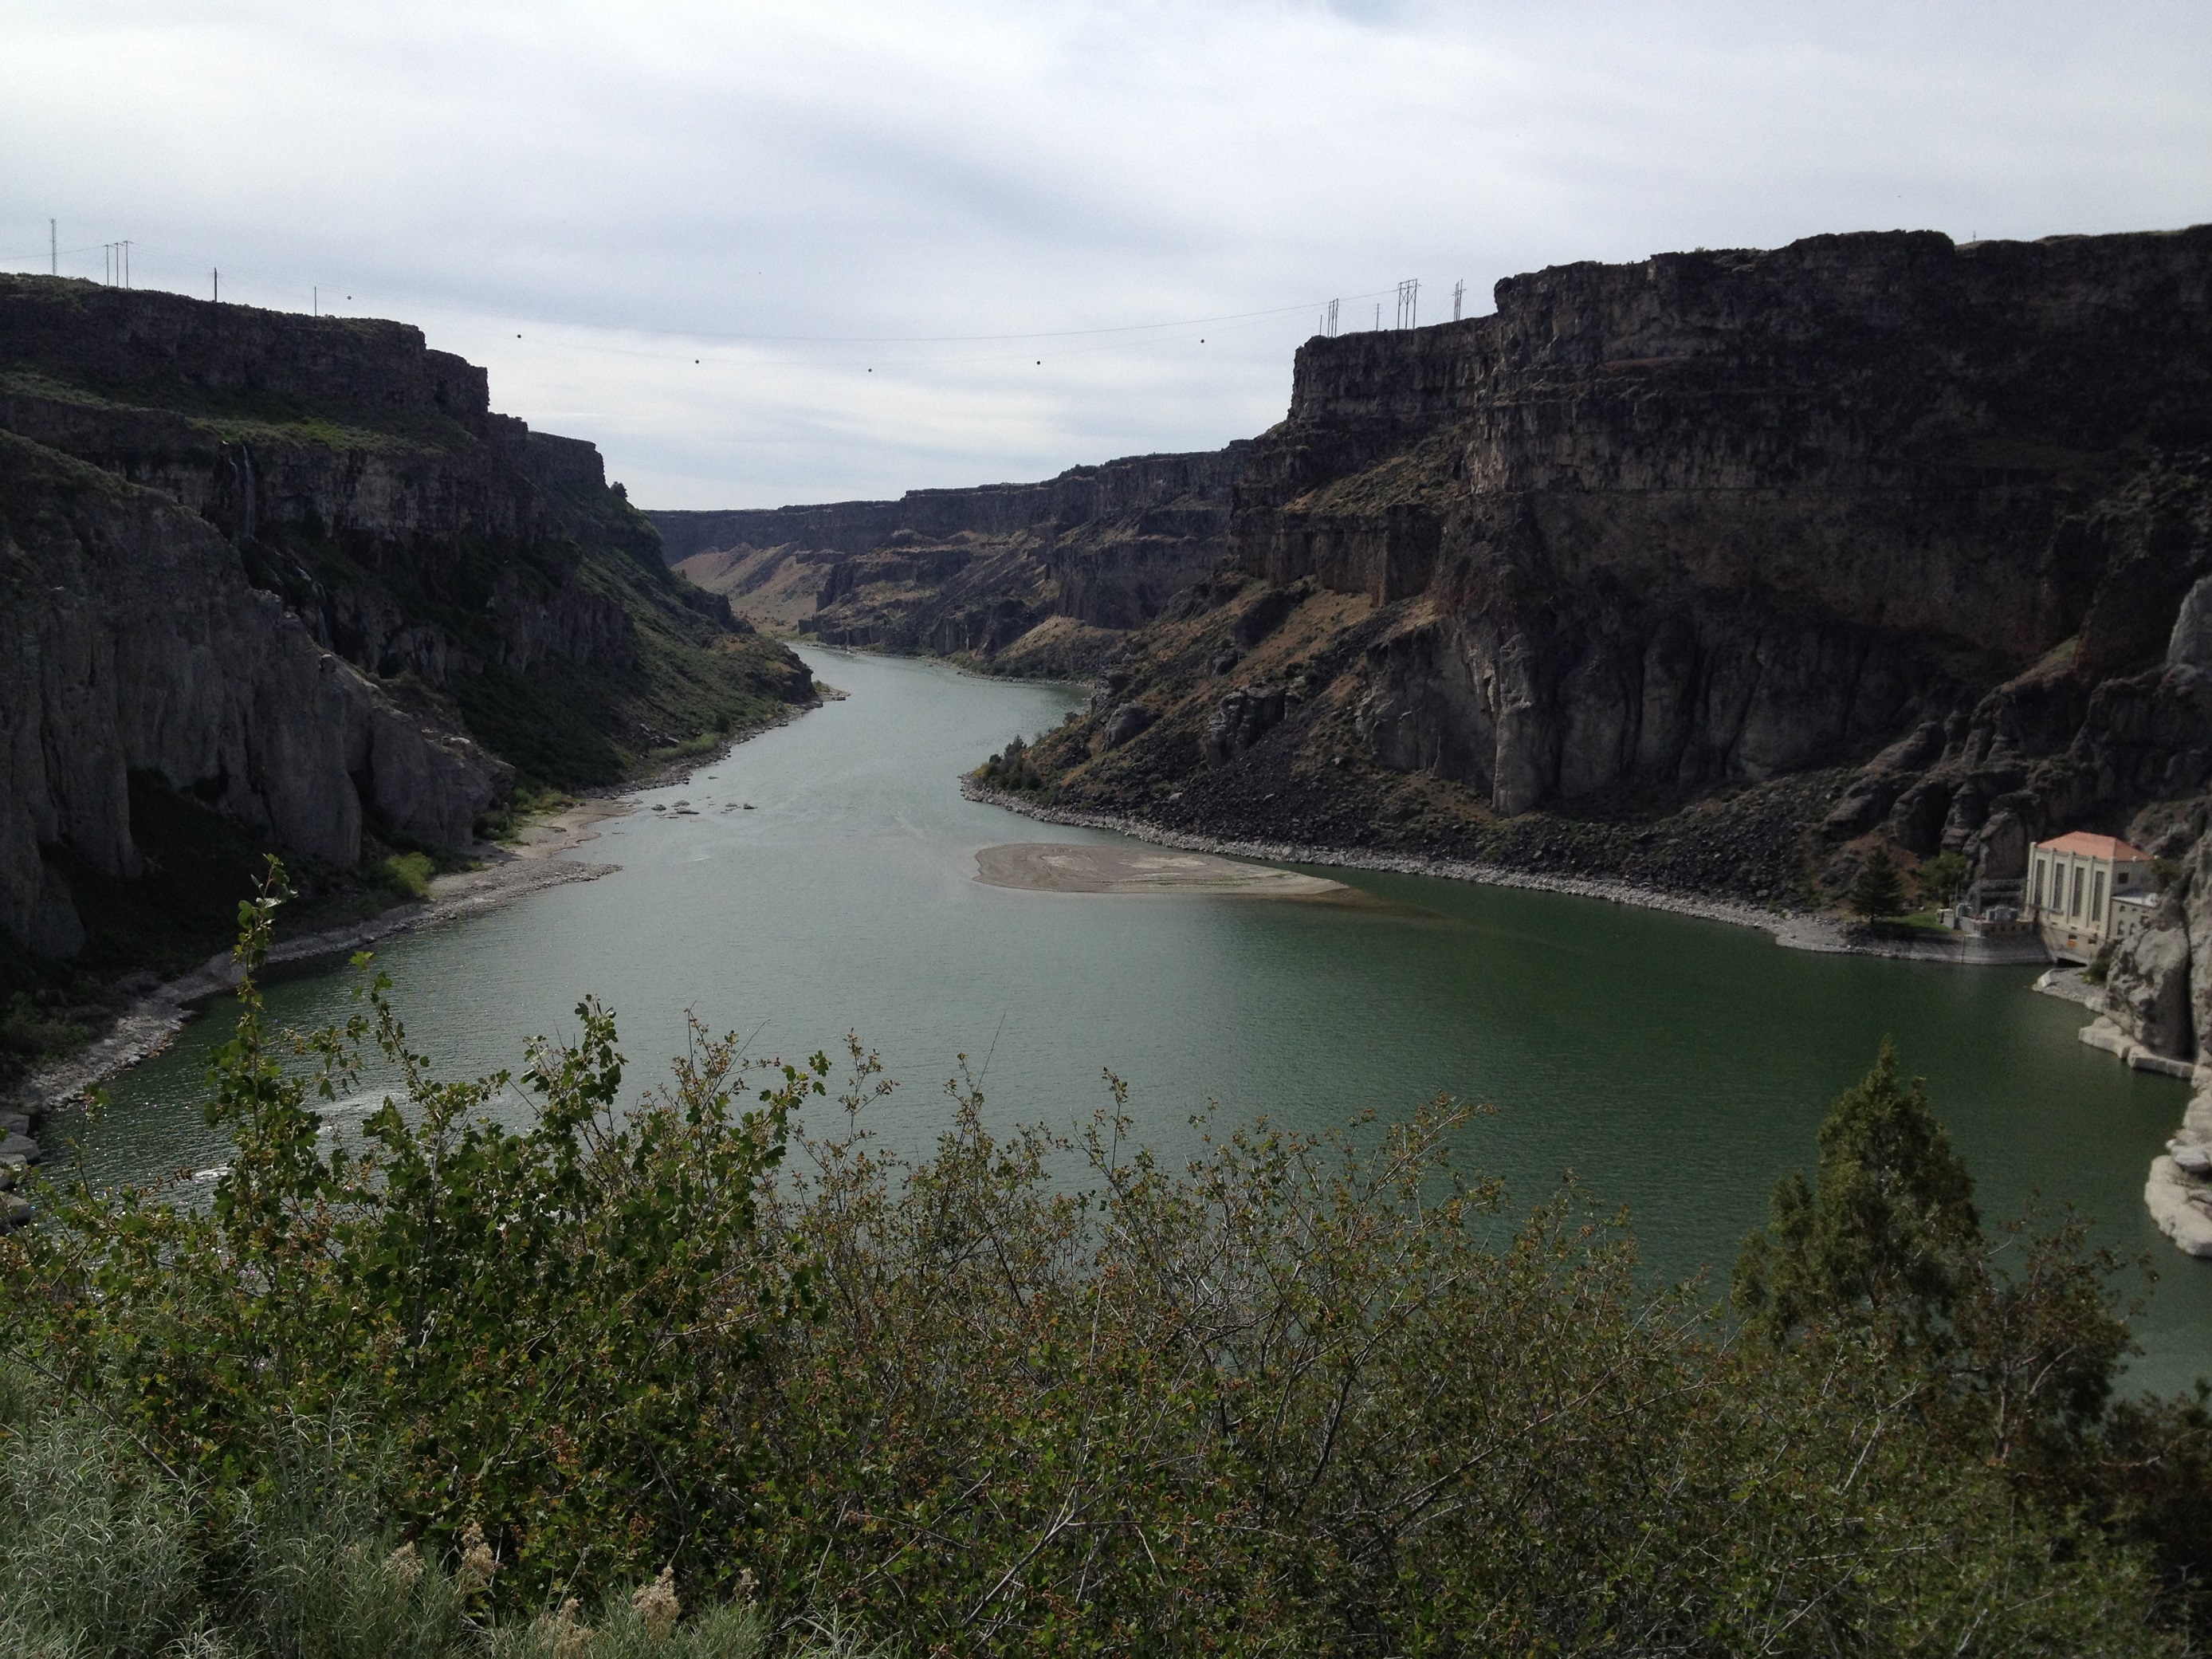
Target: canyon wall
972,571
296,570
136,644
1723,515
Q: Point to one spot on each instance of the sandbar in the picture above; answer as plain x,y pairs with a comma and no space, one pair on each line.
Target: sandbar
1051,866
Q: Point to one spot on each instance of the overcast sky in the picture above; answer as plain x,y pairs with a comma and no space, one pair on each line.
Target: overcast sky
772,253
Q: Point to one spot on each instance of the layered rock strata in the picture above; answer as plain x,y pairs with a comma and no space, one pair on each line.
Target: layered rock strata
973,572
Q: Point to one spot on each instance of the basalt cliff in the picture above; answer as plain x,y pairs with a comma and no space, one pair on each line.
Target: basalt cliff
1714,572
1037,579
292,577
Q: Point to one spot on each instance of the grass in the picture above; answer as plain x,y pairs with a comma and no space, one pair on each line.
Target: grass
1915,922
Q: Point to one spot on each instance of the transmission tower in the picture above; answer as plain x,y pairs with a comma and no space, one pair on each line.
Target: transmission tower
1409,299
1459,295
1332,319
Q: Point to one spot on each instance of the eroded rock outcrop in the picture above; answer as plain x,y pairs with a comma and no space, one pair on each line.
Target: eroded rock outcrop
136,644
1718,517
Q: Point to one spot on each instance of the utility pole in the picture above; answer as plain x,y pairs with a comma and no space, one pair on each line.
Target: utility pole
317,300
1409,297
217,274
53,250
126,262
1332,319
1459,295
1378,316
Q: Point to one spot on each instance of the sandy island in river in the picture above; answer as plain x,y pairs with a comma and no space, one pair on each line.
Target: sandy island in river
1049,866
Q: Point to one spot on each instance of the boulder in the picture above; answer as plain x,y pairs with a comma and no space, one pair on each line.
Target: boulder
2147,991
21,1146
2197,910
1106,690
2190,642
1125,722
1241,720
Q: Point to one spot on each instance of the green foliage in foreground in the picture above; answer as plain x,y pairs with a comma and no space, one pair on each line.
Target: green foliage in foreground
557,1391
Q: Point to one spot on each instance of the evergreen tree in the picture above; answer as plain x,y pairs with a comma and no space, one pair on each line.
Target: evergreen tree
1877,892
1887,1227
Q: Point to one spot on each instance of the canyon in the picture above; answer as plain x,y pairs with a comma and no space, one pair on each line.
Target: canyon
1708,573
1024,579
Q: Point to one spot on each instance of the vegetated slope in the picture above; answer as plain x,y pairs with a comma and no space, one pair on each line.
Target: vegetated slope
1033,579
294,572
1712,571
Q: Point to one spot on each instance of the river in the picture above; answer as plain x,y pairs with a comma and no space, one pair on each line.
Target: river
1676,1066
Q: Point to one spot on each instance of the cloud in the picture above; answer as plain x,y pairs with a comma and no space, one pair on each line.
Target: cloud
734,239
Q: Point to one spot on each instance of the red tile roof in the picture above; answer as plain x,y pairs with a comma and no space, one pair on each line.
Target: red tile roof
2095,846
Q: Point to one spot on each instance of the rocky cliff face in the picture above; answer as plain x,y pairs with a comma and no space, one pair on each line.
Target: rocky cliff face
973,571
296,570
1722,516
136,644
1870,536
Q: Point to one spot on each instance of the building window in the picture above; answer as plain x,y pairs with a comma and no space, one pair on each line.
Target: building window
2039,867
2097,897
2075,908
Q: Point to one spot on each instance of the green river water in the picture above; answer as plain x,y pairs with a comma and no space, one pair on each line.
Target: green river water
1675,1066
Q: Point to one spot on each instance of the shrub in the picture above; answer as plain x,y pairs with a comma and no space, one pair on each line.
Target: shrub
1014,769
1939,879
407,873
